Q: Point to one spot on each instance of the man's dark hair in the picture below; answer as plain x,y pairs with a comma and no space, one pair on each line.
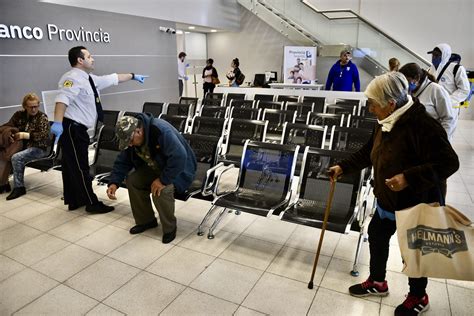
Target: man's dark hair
182,54
74,54
210,61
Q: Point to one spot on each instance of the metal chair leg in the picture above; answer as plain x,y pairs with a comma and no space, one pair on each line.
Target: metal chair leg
219,217
205,219
355,271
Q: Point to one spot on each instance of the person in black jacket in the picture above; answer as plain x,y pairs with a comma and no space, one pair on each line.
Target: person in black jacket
234,74
412,157
208,75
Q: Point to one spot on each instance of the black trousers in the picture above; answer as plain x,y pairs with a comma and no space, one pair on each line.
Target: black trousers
77,182
380,231
180,87
208,87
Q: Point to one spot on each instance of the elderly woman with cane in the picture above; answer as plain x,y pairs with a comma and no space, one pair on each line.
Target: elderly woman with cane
411,157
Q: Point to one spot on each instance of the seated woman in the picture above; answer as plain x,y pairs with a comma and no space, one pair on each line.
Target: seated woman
33,134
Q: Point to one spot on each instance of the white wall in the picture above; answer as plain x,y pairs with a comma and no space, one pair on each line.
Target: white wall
220,14
258,46
420,24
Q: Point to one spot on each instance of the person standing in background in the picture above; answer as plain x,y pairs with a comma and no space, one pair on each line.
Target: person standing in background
343,74
78,108
454,81
182,71
393,64
435,98
209,74
234,73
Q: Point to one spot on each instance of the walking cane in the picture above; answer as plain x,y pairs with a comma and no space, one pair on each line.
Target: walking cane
323,229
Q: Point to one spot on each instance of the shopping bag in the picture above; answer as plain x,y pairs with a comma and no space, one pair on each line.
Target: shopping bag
436,241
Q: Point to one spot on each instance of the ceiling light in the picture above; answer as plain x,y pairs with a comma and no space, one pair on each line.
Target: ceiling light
179,32
191,27
213,31
187,32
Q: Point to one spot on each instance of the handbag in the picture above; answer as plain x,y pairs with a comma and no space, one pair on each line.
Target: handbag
436,241
215,80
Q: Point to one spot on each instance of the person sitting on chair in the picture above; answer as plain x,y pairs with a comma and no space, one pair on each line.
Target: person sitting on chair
33,137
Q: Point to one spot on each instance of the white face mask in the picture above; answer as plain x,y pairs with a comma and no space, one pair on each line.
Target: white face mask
388,122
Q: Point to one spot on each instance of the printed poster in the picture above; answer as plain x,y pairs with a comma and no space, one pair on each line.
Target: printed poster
299,64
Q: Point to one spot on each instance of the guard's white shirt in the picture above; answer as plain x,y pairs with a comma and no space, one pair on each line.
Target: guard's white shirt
77,94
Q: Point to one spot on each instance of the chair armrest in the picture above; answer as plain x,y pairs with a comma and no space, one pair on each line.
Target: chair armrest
285,201
213,177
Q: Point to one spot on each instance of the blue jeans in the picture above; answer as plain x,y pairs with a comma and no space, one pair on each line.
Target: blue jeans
20,159
234,84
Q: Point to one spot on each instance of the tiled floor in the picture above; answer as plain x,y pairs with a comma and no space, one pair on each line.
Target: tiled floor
57,262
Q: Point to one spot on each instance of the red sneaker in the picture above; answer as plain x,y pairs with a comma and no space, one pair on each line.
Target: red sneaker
413,306
369,287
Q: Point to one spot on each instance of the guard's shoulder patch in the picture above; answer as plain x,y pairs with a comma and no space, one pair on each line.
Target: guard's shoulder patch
67,84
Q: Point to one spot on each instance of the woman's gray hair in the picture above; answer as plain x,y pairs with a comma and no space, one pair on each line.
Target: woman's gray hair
389,86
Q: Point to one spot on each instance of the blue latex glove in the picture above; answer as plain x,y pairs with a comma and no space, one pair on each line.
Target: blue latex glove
187,65
140,78
186,78
57,130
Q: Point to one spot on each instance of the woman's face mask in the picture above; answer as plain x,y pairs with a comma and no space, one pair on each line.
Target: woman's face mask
411,86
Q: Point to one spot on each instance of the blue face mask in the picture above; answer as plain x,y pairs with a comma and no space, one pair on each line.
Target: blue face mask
411,86
436,61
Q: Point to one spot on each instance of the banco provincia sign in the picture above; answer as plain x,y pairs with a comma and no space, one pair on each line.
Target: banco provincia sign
53,32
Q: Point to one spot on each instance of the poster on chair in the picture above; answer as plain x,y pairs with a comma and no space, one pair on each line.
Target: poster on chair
299,65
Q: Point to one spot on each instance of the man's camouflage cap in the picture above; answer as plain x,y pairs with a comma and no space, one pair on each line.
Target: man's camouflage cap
124,130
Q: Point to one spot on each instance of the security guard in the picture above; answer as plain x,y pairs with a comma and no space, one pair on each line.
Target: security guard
77,109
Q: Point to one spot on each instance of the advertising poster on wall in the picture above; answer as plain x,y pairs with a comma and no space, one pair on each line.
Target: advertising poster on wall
299,64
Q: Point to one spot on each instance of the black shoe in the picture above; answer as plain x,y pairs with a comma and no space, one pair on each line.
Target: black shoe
16,193
73,207
369,287
413,306
99,208
5,188
137,229
169,237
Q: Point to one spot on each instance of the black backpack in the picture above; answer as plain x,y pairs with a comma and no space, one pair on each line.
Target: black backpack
240,79
455,58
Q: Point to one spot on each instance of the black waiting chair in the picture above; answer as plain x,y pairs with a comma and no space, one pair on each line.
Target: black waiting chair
244,113
214,111
302,110
214,96
319,103
325,119
269,105
276,119
180,109
264,183
211,102
238,132
233,96
106,152
208,126
50,162
313,189
249,104
363,122
110,120
180,122
187,100
349,139
263,97
347,109
288,98
155,108
205,148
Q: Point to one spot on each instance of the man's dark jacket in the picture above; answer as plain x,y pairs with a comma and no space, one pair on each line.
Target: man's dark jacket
170,150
